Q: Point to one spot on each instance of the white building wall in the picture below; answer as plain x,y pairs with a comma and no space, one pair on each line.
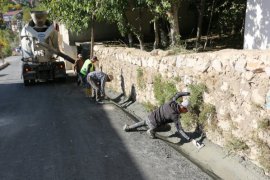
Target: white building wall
257,25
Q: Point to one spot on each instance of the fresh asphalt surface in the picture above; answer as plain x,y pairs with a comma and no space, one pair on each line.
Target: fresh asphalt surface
52,131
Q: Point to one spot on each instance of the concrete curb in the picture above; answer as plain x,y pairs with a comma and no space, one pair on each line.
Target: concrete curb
3,66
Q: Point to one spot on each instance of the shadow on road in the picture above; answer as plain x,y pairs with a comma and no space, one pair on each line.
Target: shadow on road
51,131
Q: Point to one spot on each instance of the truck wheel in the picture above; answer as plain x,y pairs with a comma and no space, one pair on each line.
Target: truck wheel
61,80
26,82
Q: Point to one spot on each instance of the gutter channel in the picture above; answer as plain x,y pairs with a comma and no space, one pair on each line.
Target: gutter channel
174,146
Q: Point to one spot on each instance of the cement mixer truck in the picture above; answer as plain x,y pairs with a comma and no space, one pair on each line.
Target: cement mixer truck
40,52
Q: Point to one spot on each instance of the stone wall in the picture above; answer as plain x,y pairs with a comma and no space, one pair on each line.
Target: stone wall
237,81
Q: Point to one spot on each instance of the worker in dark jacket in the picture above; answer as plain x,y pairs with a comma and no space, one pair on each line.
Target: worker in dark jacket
97,80
168,112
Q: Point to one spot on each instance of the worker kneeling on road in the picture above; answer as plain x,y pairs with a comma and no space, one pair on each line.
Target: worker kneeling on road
167,113
87,67
97,80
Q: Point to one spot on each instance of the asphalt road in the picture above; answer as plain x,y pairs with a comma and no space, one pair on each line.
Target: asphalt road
52,131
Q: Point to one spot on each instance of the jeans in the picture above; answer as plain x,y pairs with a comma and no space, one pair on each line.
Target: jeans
83,80
95,88
140,124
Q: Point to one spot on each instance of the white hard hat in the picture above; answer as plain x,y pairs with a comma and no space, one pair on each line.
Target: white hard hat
185,104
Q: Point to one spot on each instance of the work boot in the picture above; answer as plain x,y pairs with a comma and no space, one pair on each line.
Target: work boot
126,128
150,133
93,94
97,95
78,82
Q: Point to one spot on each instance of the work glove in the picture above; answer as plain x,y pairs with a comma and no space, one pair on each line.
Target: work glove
197,144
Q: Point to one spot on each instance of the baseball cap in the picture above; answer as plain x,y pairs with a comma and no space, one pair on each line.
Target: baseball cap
95,58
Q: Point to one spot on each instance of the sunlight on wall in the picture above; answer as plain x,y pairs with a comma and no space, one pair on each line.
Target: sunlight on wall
257,26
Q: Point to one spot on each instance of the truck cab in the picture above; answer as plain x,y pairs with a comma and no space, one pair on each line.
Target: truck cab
39,42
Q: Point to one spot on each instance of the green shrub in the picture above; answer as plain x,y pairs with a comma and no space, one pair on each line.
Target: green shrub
198,111
177,79
180,48
7,38
196,97
188,120
149,106
264,157
234,145
163,90
140,78
264,124
208,112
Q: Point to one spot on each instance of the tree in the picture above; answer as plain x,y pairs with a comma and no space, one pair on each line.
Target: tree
201,9
168,9
229,16
26,14
6,39
115,11
5,5
210,23
173,18
76,15
158,12
138,6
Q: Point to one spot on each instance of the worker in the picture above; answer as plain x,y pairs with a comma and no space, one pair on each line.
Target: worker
168,112
97,80
87,67
77,68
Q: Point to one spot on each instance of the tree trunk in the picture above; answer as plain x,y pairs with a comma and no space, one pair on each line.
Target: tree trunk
174,25
233,30
140,34
164,39
140,39
92,38
220,24
157,39
130,39
200,21
242,31
209,25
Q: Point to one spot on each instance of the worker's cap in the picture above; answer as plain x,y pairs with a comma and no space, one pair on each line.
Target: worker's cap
185,104
95,58
110,77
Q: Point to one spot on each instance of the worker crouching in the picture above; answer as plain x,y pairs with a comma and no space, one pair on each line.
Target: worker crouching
97,80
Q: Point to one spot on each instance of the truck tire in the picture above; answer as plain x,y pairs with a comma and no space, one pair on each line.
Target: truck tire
28,82
60,80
